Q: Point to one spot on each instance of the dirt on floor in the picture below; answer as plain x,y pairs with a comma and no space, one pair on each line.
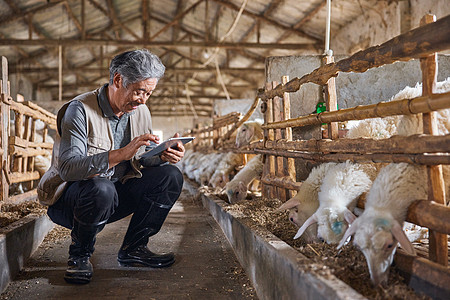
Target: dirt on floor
348,264
10,212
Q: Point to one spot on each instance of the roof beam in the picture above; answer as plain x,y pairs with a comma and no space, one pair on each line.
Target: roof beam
23,14
168,70
175,19
140,43
268,20
160,84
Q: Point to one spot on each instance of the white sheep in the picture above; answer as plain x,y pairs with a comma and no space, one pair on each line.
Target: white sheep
225,169
375,128
305,203
379,228
236,189
210,168
413,124
249,132
342,184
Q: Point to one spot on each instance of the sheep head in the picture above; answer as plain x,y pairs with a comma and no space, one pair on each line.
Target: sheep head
219,180
330,224
244,135
299,212
236,192
377,238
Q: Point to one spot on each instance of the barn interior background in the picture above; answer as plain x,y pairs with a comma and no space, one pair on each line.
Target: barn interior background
219,56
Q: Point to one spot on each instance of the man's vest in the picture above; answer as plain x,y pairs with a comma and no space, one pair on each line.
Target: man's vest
100,139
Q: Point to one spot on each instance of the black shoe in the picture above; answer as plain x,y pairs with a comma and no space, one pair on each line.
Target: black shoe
143,256
79,270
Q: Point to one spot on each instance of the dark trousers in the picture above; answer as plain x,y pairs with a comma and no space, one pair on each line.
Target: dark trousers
97,201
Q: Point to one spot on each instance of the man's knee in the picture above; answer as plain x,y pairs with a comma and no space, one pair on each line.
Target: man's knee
99,194
174,174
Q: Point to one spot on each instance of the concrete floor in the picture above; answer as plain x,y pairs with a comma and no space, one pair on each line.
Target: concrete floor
205,267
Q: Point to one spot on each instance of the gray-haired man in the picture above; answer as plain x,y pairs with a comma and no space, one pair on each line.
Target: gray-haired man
96,175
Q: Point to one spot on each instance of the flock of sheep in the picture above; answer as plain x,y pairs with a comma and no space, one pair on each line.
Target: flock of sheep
324,207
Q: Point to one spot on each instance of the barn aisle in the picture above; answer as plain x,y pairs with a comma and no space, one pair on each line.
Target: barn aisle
206,267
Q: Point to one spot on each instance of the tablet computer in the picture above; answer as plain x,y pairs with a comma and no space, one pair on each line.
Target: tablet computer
166,144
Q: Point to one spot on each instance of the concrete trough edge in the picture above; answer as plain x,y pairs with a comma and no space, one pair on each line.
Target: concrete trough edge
276,270
18,241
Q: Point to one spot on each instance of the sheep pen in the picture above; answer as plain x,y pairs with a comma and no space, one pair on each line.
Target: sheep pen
281,181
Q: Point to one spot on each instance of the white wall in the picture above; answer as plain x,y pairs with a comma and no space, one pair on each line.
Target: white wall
383,22
170,125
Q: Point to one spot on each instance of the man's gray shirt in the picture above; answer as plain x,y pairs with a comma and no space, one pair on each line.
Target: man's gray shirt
74,162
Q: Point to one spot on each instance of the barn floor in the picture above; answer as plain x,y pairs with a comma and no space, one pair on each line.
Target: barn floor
206,266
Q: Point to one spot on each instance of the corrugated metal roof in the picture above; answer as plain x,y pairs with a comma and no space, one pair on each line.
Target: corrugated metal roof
111,26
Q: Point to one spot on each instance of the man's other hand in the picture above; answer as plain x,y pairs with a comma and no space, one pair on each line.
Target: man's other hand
175,153
127,152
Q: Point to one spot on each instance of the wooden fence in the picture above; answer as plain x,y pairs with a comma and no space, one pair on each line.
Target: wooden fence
279,150
18,145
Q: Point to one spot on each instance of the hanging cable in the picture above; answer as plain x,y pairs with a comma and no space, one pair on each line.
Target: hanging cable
222,83
188,97
328,51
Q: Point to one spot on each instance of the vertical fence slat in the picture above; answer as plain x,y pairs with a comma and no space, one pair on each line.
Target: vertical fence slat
438,251
269,162
4,164
331,101
290,162
279,167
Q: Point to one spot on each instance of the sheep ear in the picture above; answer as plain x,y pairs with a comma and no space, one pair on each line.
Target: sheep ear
350,231
349,216
291,203
311,220
401,237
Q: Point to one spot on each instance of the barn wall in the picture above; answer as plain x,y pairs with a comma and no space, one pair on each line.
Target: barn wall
20,84
383,22
170,125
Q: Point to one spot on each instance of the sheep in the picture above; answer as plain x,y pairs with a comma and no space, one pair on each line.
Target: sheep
210,168
413,124
375,128
236,189
379,227
249,132
303,205
225,169
339,191
207,166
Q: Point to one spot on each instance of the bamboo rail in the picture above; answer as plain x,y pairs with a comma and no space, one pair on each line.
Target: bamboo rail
414,144
423,104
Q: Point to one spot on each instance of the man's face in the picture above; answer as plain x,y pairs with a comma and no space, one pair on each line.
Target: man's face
133,95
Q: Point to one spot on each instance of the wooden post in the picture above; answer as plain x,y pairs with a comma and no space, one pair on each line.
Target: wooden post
438,250
269,162
4,108
59,73
290,163
19,125
279,167
331,101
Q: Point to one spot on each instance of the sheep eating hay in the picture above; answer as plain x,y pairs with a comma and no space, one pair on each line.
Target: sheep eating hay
305,202
236,189
342,185
379,228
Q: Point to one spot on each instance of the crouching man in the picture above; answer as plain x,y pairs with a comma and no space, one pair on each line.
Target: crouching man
97,176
